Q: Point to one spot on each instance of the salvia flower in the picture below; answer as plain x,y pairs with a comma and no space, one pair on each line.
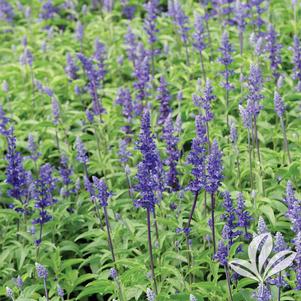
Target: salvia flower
3,122
42,192
293,208
79,32
6,11
214,168
65,171
222,253
125,100
150,170
206,101
33,148
48,10
55,111
16,175
197,156
150,295
150,26
164,99
131,45
113,273
199,34
297,62
41,271
261,227
101,191
279,104
243,216
9,293
274,50
60,291
226,60
19,282
173,153
280,244
100,56
246,117
142,76
123,152
94,77
240,15
230,218
71,69
263,293
255,84
180,19
81,153
297,242
258,10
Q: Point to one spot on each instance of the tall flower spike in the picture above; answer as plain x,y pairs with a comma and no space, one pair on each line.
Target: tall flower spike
16,175
226,59
71,69
206,101
297,62
55,111
199,33
6,11
214,169
81,155
79,32
297,242
179,18
261,227
151,165
150,295
33,148
263,293
293,208
42,192
150,20
255,84
125,100
131,43
142,75
93,73
246,117
164,99
101,190
222,253
278,105
243,216
274,49
197,156
41,271
100,57
173,154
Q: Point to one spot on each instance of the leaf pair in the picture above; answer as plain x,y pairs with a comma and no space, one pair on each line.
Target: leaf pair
262,244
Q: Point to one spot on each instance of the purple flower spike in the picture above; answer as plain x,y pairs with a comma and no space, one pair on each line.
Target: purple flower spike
226,59
274,49
214,169
71,69
173,154
197,156
55,111
279,104
41,271
164,98
101,191
297,62
179,18
199,33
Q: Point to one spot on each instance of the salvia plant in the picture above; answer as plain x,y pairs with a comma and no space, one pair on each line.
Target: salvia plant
150,150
